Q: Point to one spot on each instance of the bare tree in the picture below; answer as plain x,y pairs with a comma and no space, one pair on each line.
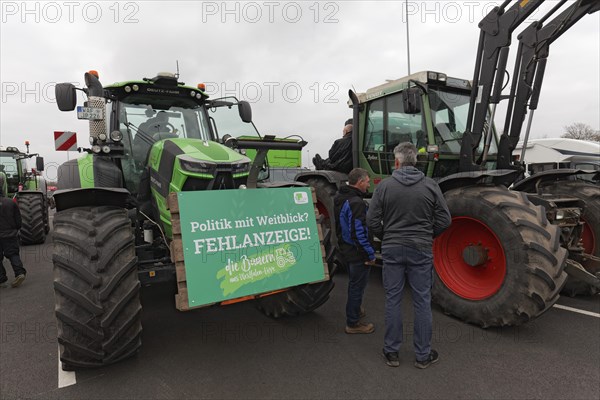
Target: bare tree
581,131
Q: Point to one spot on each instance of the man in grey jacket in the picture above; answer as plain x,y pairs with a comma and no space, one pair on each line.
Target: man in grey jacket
407,211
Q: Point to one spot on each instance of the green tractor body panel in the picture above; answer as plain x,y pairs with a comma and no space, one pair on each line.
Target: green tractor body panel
85,165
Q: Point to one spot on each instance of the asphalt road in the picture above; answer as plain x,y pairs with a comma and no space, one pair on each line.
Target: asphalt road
236,352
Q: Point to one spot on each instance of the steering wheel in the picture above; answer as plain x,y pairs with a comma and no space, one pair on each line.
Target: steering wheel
169,126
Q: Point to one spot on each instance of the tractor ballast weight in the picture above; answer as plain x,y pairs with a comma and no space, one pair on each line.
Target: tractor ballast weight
113,229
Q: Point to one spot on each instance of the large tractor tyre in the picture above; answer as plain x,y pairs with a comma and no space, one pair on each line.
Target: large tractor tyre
46,218
304,298
591,230
325,192
33,217
500,262
96,287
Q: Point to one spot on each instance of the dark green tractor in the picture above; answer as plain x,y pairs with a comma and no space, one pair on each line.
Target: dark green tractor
29,189
501,262
113,229
513,240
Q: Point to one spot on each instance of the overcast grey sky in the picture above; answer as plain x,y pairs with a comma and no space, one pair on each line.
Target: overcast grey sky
294,61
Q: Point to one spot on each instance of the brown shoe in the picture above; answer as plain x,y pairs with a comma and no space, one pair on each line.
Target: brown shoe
18,280
360,328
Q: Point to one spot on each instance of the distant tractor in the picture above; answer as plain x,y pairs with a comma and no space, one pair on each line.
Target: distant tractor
29,189
543,156
150,139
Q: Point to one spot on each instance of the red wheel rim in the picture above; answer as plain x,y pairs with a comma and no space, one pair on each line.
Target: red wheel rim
322,209
587,236
473,283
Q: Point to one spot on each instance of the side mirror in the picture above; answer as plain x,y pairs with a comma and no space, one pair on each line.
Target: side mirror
411,99
229,141
66,98
245,111
39,163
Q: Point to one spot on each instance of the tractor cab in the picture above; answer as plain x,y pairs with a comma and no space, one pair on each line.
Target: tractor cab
427,109
12,166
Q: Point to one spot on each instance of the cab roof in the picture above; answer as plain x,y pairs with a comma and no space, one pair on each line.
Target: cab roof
424,77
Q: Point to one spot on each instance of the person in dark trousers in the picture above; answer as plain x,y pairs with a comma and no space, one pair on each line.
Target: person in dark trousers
10,223
340,154
354,244
407,211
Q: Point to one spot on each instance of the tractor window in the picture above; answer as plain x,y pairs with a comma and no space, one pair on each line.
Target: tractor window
227,121
449,111
8,165
142,126
387,126
404,127
374,129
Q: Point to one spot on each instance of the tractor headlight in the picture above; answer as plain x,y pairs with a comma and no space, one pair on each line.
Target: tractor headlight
240,168
197,166
116,136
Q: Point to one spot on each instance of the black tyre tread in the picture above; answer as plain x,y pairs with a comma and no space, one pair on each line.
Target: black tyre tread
306,298
591,195
34,217
535,261
96,285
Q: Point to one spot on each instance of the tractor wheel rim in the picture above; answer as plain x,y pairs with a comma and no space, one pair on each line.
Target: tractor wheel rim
322,209
466,281
588,239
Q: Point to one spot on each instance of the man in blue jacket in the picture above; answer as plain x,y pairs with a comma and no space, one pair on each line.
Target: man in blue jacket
354,244
407,211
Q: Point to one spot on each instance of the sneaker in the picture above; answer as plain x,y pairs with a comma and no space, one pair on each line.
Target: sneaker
432,359
18,280
362,313
391,359
360,328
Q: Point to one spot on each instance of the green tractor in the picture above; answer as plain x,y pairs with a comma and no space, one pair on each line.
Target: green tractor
29,189
113,229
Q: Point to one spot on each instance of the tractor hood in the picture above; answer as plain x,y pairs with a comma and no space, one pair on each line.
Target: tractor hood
194,155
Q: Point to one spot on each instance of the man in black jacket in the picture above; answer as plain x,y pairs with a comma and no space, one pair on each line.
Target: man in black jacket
407,211
10,223
354,244
340,154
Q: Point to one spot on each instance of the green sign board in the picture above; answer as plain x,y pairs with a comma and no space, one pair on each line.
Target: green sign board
248,241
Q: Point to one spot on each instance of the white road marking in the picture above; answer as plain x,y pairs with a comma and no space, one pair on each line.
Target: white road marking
65,378
576,310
